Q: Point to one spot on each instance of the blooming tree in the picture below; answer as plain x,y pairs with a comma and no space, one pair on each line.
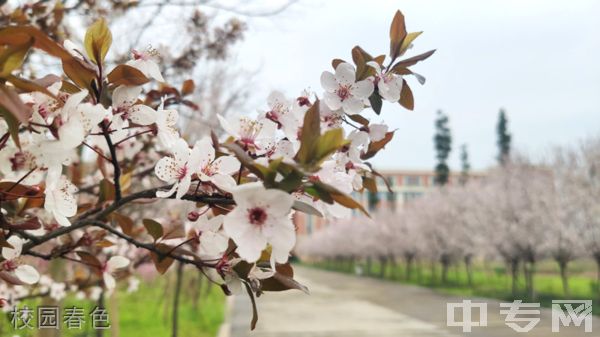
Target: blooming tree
87,155
518,213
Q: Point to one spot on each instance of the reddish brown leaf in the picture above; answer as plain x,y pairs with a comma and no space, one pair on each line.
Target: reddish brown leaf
126,75
406,96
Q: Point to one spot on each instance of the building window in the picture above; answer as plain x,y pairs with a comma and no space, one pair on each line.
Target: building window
412,180
391,197
411,195
373,200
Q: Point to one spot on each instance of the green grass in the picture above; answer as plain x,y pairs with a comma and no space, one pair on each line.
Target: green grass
147,312
489,281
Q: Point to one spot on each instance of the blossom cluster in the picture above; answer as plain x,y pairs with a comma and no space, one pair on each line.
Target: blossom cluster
75,150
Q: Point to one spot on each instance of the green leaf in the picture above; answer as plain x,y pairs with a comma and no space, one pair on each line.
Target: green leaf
306,208
13,125
309,136
376,102
154,228
291,181
327,144
127,75
246,160
98,40
397,34
12,57
319,190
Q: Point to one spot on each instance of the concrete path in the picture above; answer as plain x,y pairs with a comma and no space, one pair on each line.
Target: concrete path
347,306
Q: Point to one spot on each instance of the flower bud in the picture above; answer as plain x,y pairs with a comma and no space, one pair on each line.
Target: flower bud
193,216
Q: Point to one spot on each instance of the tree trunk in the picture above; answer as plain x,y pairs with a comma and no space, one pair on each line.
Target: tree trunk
393,268
445,261
369,263
529,268
597,258
409,261
178,281
100,304
468,266
197,291
383,262
514,273
113,302
562,265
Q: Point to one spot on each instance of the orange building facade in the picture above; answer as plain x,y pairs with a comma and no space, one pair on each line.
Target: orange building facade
406,185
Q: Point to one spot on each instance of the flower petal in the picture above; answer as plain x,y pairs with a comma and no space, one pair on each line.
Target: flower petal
328,81
282,237
11,253
362,89
109,281
27,274
117,262
142,114
332,100
345,74
125,95
224,182
226,164
166,170
352,106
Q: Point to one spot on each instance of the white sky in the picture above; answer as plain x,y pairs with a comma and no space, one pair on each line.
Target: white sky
538,59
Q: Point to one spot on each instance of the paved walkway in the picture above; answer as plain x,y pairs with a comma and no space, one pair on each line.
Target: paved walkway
347,306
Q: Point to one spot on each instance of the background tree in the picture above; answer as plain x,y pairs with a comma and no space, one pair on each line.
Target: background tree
443,145
503,138
465,165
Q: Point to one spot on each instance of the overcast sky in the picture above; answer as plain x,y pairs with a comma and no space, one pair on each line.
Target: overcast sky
539,60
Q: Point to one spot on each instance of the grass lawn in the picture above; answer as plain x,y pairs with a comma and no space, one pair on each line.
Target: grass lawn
490,281
147,312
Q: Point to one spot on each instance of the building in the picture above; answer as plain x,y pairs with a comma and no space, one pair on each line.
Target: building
406,185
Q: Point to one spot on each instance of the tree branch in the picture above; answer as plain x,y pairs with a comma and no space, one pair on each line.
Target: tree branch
101,215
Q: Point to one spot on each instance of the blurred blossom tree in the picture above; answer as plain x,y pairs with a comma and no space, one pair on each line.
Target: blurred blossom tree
503,138
519,212
566,233
443,145
465,165
97,177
